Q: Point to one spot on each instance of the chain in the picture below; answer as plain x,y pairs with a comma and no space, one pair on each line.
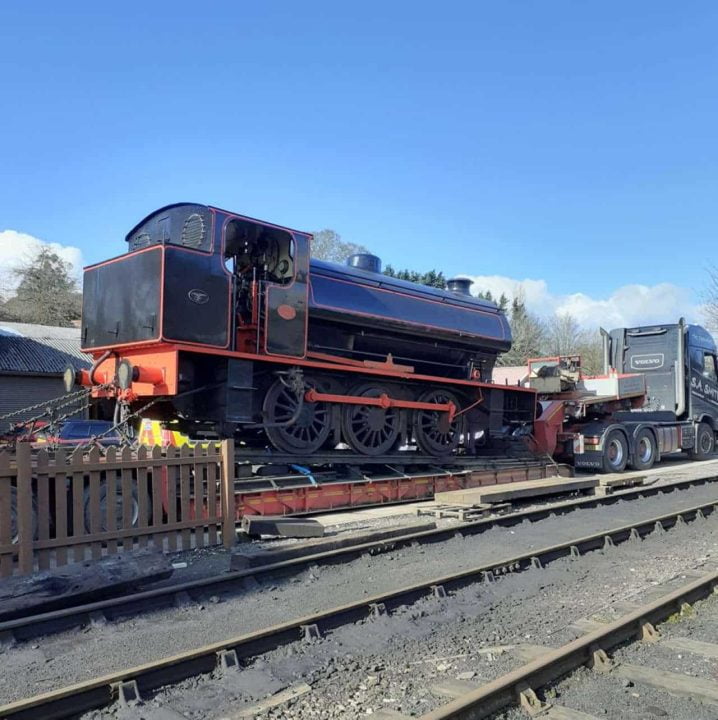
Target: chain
122,424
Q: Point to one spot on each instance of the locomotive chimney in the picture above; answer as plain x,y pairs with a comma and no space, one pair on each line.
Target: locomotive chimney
365,261
459,286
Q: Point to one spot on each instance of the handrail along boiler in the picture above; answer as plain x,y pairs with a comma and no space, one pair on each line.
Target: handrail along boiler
229,326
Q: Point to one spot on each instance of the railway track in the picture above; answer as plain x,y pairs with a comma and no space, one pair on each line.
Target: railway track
137,682
519,686
17,629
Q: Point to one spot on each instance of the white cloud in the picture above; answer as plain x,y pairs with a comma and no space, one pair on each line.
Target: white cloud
17,248
626,306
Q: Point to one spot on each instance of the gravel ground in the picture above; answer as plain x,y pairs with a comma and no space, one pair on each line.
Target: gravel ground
614,697
395,662
78,655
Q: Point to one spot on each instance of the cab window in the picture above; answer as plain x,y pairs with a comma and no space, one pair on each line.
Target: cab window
254,249
709,367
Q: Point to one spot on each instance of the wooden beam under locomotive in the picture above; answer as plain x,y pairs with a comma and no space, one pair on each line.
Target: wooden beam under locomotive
226,323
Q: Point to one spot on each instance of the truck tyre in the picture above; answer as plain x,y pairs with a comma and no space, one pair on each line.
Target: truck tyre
645,450
14,524
615,452
134,507
705,442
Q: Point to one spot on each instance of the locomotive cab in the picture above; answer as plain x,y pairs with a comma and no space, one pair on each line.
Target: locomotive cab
201,276
269,268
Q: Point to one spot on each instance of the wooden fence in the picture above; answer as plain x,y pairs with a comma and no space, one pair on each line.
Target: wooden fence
59,508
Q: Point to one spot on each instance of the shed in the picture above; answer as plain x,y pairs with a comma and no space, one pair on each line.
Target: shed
32,361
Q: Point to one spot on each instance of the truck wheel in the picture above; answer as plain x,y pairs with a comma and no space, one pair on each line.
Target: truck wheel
645,450
705,443
134,507
14,524
615,452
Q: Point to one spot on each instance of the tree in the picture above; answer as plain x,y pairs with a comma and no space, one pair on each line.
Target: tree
528,333
433,278
710,297
502,302
564,336
46,294
328,245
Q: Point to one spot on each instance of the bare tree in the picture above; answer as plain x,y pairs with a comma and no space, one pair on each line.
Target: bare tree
528,333
564,336
710,300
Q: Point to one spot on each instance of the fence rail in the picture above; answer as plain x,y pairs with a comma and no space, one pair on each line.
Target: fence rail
64,507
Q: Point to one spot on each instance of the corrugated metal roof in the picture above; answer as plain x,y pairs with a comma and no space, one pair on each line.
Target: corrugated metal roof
45,355
39,332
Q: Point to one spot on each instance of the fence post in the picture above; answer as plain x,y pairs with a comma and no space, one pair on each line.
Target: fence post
24,508
229,533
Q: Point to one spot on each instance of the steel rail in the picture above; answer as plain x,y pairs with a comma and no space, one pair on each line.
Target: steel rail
506,690
81,697
32,626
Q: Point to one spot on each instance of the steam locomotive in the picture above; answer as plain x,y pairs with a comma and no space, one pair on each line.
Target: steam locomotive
226,325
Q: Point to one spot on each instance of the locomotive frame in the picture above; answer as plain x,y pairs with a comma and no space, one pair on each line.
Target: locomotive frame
225,323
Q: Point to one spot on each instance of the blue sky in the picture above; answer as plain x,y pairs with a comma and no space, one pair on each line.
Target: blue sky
573,144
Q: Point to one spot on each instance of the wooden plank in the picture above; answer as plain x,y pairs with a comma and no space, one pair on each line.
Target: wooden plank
95,512
127,499
453,688
697,647
142,497
214,528
171,498
78,505
620,480
43,507
199,496
290,693
110,485
506,492
186,453
700,689
229,533
26,558
59,470
158,539
529,653
585,625
6,558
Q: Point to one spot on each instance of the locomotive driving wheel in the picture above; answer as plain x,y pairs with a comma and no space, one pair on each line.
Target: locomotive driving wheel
292,425
434,433
370,429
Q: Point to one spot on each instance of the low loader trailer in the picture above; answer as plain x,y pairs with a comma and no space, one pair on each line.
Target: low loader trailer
658,395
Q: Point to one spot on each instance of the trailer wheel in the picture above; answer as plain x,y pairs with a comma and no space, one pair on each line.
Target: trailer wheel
705,443
615,452
645,450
